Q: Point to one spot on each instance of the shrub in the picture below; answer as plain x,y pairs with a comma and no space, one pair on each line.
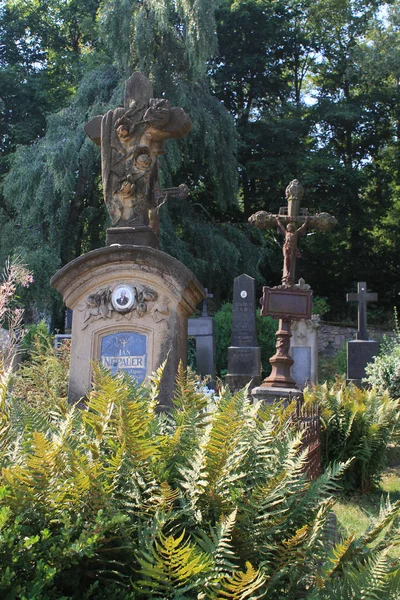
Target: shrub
43,380
356,423
34,334
208,501
320,305
266,329
384,372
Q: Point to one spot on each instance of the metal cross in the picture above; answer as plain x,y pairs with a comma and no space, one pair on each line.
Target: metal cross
293,222
362,297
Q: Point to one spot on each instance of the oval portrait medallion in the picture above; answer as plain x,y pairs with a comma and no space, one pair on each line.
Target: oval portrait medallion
123,298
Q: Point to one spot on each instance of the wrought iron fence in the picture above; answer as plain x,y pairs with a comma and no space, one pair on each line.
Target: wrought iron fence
308,420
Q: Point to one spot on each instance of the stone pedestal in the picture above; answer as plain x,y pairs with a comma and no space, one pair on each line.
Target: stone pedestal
244,366
275,394
138,236
359,354
304,351
131,306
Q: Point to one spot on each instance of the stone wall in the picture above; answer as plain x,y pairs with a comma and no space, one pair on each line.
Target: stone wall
332,336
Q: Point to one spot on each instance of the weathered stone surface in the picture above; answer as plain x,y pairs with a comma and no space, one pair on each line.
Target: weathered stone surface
301,369
269,395
244,355
332,337
162,293
304,351
131,139
359,354
244,312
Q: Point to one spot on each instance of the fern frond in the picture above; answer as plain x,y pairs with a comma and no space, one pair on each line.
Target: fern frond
337,556
219,545
243,584
174,563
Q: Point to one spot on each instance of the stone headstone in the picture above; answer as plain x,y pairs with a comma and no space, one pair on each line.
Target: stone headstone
202,329
304,351
362,350
130,313
359,354
244,354
131,302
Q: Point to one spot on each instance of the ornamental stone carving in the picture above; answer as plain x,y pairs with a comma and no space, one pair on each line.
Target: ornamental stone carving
124,301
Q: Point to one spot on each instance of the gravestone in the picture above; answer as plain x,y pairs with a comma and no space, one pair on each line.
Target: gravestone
130,301
304,351
362,350
202,329
244,353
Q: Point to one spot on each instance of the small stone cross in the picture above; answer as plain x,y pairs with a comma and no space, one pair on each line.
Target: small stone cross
204,312
362,297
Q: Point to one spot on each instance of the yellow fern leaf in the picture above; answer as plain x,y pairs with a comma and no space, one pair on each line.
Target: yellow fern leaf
241,585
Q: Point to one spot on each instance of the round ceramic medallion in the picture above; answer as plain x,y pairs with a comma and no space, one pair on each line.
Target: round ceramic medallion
123,298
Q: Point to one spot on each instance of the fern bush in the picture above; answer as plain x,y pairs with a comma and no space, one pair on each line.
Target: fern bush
357,424
384,372
43,380
209,501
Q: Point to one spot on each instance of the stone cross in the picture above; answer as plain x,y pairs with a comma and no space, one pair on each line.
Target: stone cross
204,312
131,138
362,297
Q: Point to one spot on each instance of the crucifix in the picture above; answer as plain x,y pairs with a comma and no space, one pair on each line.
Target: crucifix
131,138
362,297
288,301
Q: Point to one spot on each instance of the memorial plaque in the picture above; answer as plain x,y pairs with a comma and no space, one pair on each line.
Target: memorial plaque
286,303
244,312
127,352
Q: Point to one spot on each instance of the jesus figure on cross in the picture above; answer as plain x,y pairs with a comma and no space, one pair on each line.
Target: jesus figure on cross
290,248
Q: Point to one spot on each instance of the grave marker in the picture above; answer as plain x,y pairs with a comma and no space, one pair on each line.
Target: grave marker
202,329
362,350
244,353
288,301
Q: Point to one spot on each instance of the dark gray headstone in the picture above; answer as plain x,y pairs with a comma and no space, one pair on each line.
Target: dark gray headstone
359,354
244,354
244,312
202,329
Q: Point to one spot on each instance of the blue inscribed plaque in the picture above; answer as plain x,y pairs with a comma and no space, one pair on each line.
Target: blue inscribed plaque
125,351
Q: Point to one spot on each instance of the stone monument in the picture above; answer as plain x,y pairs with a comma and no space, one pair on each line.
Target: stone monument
244,353
362,350
202,329
304,351
131,302
289,301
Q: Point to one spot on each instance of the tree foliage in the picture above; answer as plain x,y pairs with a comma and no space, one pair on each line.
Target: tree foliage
275,90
